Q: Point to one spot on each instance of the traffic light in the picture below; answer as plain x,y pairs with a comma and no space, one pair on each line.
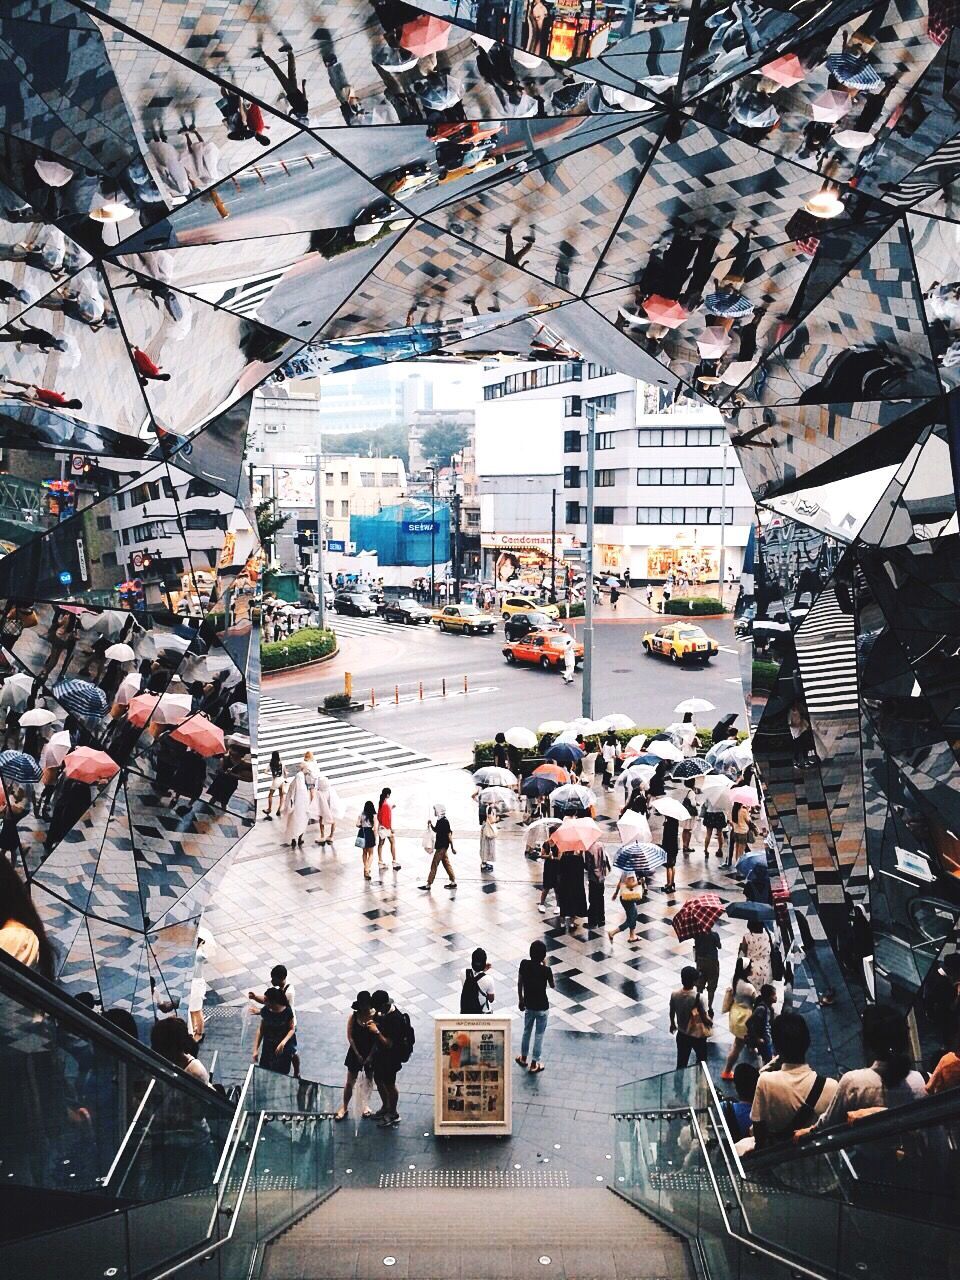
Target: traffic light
62,498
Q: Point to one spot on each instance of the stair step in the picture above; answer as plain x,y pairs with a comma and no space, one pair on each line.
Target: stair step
585,1234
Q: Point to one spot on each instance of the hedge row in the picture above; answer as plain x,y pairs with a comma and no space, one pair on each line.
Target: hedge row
483,751
305,645
694,605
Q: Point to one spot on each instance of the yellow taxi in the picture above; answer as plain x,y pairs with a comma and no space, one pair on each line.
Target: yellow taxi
526,604
465,618
681,642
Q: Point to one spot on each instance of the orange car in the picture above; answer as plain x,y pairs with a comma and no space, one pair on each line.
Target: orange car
544,647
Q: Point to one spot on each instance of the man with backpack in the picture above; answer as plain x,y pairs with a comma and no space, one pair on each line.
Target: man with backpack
395,1039
476,995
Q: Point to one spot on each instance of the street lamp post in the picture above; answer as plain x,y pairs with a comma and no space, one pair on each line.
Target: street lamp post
723,520
586,704
318,504
553,547
433,535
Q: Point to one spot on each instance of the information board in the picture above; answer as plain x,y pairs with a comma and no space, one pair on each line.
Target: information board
473,1082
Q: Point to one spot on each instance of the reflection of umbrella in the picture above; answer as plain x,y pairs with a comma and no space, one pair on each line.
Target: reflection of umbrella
440,94
87,765
425,35
670,808
16,690
498,797
108,623
664,750
853,70
539,786
120,653
853,139
492,776
574,793
831,106
563,753
200,735
693,768
36,718
714,344
552,771
17,766
166,708
727,302
694,706
697,916
80,697
55,749
576,833
641,859
664,311
754,110
784,71
522,739
745,795
750,911
395,59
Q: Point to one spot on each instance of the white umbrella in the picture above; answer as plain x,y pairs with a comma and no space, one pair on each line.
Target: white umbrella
36,718
522,739
582,725
491,776
552,726
742,753
120,653
153,643
693,705
108,623
617,721
53,751
498,798
714,786
637,773
130,686
665,750
538,831
636,743
670,808
16,690
633,826
573,793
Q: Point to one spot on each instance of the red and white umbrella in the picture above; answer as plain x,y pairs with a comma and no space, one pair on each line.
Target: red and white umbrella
85,764
161,708
200,735
576,833
697,916
784,71
665,311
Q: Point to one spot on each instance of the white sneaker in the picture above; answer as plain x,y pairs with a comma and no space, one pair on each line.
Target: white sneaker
541,908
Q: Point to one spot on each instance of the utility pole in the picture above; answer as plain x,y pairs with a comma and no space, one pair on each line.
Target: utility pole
723,521
553,548
318,504
433,536
586,702
455,531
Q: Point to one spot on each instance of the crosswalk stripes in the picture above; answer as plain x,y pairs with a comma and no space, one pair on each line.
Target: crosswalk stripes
342,751
346,625
827,656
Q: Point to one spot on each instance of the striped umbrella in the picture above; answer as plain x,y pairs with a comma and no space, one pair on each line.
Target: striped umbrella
853,70
695,767
641,859
80,697
727,302
17,766
699,915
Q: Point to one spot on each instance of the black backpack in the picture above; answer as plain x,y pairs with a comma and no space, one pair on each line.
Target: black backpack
407,1038
470,1001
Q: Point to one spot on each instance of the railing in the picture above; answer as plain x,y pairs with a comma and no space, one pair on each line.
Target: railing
870,1201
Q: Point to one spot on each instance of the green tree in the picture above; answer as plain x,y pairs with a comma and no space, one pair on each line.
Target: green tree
268,523
384,442
441,441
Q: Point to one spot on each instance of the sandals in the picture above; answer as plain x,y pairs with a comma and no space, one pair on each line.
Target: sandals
340,1113
535,1070
521,1062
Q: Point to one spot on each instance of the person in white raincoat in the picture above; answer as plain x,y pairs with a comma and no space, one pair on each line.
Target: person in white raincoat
295,810
328,807
569,662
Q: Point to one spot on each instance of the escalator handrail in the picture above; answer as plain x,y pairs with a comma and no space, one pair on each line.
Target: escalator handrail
36,992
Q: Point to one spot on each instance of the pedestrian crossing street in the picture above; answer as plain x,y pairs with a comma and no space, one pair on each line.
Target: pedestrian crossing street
827,656
343,751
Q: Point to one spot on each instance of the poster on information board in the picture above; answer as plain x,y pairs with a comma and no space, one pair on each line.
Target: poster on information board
472,1079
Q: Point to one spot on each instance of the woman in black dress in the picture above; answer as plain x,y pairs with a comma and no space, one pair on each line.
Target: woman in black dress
276,1040
361,1041
551,870
571,892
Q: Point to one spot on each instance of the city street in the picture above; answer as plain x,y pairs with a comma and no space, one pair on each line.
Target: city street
381,656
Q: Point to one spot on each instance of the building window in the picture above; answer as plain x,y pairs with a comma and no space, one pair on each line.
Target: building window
473,519
604,479
603,515
604,404
390,479
682,515
571,477
572,406
599,370
573,513
344,509
368,479
344,477
604,439
572,442
329,477
103,522
647,438
328,506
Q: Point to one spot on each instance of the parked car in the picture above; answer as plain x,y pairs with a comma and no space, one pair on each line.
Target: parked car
354,604
546,648
406,610
519,625
681,642
466,618
523,604
361,589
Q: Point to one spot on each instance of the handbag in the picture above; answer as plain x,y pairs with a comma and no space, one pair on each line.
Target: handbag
697,1028
427,841
360,843
776,963
727,1003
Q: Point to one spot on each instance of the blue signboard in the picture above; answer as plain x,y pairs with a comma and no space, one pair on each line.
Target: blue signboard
66,577
333,544
420,526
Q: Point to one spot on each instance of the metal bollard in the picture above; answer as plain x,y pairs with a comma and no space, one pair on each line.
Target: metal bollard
443,686
373,699
421,690
396,695
464,684
348,684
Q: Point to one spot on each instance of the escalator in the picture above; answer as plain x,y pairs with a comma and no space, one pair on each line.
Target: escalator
874,1200
115,1163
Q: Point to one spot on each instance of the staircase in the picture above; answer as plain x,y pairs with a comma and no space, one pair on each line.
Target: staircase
579,1234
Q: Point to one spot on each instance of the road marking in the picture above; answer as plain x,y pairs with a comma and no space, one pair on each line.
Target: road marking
725,649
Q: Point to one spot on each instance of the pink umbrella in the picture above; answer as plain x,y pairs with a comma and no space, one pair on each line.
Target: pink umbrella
84,764
200,735
713,344
784,71
664,311
576,833
831,106
744,795
425,35
162,708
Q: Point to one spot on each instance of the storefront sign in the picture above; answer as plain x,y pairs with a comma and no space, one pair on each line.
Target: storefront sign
472,1080
421,526
525,541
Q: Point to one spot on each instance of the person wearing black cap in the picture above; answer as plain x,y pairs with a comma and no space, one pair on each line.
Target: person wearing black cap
393,1038
721,730
360,1042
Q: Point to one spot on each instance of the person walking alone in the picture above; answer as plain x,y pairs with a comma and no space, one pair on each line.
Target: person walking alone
442,848
688,1018
488,838
476,994
295,811
534,976
385,829
569,661
276,784
366,836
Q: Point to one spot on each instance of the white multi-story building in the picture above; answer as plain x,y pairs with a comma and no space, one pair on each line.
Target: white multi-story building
665,474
